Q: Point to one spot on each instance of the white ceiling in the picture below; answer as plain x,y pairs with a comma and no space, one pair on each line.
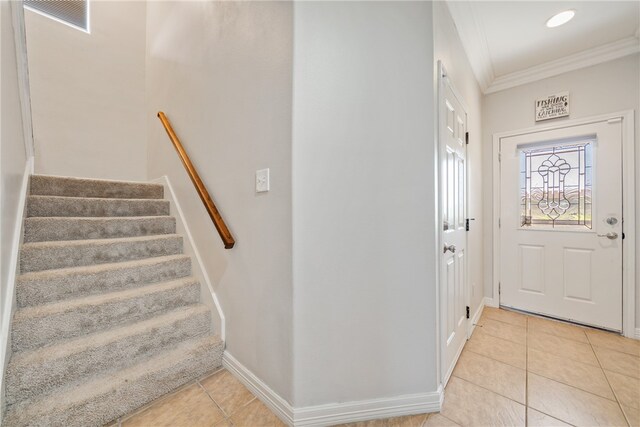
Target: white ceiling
508,43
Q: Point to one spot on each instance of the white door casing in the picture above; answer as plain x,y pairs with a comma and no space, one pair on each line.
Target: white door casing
572,269
453,200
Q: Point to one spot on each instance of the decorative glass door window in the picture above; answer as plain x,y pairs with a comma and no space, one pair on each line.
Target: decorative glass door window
555,186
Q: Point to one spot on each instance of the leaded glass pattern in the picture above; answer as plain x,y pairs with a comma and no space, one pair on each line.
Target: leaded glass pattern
555,186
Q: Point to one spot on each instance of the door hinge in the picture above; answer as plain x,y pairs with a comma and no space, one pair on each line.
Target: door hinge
499,288
468,315
466,138
622,236
499,223
499,157
466,226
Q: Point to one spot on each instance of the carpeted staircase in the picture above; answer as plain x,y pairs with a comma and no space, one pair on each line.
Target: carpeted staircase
108,315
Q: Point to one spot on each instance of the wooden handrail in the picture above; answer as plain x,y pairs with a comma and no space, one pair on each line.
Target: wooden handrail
224,232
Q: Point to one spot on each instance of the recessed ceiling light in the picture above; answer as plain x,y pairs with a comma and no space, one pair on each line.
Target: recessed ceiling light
561,18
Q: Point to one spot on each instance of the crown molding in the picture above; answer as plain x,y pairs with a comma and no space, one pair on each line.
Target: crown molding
586,58
473,38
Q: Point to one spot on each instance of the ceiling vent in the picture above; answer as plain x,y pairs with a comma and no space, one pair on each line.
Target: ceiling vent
71,12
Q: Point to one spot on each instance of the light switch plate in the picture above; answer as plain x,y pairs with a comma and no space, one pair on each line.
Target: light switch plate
262,180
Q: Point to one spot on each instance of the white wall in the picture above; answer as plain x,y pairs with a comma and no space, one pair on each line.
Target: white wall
13,160
88,93
363,201
221,71
448,49
605,88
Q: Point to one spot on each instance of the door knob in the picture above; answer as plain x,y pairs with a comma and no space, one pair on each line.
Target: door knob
451,248
612,235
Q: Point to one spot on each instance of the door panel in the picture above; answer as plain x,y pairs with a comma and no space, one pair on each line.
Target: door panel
453,129
559,191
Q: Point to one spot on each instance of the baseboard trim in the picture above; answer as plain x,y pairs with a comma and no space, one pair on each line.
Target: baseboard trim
340,413
191,249
637,334
476,317
273,400
490,302
8,304
334,413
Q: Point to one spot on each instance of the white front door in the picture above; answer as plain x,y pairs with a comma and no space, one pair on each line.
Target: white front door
561,223
452,131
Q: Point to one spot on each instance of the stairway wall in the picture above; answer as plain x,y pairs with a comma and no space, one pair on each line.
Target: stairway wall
13,162
221,71
87,93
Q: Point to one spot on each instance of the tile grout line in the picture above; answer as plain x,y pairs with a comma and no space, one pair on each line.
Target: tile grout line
624,414
489,390
496,360
526,405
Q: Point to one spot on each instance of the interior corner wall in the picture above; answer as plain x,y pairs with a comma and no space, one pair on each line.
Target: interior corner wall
609,87
88,93
222,73
13,160
449,50
12,147
363,202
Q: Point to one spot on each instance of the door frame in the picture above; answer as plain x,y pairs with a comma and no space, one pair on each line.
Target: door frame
443,374
628,207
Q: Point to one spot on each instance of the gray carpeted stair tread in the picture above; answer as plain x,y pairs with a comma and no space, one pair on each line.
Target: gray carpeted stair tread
55,206
40,256
46,286
36,326
35,372
42,229
105,397
108,315
48,185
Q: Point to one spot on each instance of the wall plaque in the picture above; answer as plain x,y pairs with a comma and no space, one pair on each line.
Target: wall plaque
553,106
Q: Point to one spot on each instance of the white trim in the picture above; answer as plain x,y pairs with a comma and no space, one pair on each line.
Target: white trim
489,302
629,224
20,40
334,413
629,210
8,305
476,317
273,400
586,58
447,374
191,249
363,410
637,334
474,41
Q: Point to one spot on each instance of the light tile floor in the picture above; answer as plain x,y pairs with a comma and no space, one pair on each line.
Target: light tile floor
516,370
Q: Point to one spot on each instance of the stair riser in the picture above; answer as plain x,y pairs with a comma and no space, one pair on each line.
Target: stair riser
29,380
42,206
77,187
33,332
45,229
57,287
45,257
126,391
